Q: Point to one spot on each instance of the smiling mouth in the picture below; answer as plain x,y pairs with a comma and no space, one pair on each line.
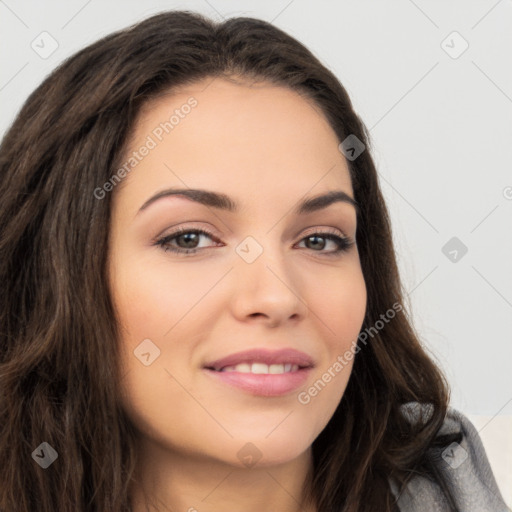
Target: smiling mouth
261,379
262,372
259,368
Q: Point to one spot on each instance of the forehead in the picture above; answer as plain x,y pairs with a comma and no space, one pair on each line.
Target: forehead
253,140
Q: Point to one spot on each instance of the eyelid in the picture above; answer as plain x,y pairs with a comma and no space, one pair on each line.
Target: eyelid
215,234
188,227
325,230
335,235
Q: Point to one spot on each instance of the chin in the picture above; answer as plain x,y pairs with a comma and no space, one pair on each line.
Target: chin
265,450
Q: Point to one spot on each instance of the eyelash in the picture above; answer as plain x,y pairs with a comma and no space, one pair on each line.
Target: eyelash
344,243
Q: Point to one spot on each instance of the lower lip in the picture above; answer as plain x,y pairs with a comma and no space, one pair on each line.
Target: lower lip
263,384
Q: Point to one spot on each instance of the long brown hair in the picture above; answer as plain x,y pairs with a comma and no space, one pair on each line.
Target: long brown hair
59,381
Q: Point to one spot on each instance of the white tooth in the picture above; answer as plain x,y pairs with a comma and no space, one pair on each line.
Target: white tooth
259,368
276,368
243,368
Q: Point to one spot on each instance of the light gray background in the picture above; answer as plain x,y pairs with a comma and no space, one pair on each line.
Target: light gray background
441,126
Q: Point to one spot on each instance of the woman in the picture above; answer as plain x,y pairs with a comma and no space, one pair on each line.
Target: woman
273,367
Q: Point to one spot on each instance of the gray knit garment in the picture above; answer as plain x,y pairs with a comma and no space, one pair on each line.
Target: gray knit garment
464,466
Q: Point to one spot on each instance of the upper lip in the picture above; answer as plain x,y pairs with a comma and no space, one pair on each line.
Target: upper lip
257,355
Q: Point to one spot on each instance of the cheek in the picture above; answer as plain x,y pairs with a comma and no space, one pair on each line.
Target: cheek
152,305
338,304
165,303
160,303
345,308
152,296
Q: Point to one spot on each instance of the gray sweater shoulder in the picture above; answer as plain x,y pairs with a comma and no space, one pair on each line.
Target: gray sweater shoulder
464,466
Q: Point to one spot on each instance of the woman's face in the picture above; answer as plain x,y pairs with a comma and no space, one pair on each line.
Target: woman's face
259,281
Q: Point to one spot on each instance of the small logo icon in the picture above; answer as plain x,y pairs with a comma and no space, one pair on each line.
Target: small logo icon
44,45
507,193
454,45
249,455
249,249
351,147
146,352
454,455
454,250
44,455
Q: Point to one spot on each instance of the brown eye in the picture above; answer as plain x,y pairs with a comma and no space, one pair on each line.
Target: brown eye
186,241
314,239
318,241
189,239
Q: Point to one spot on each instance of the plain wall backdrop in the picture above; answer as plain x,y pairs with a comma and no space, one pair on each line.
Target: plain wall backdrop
432,80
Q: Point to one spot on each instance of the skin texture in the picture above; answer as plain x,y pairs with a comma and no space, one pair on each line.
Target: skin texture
268,148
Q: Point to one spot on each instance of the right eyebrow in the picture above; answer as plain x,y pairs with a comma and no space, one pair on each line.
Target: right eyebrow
223,202
321,201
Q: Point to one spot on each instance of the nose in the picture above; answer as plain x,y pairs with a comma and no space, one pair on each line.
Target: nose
267,289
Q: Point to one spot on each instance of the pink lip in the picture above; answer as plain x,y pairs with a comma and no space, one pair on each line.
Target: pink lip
273,384
283,356
263,384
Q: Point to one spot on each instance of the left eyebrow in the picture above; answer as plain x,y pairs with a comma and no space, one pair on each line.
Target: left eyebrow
224,202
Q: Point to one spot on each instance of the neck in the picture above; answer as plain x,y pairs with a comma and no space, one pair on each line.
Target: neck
170,481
